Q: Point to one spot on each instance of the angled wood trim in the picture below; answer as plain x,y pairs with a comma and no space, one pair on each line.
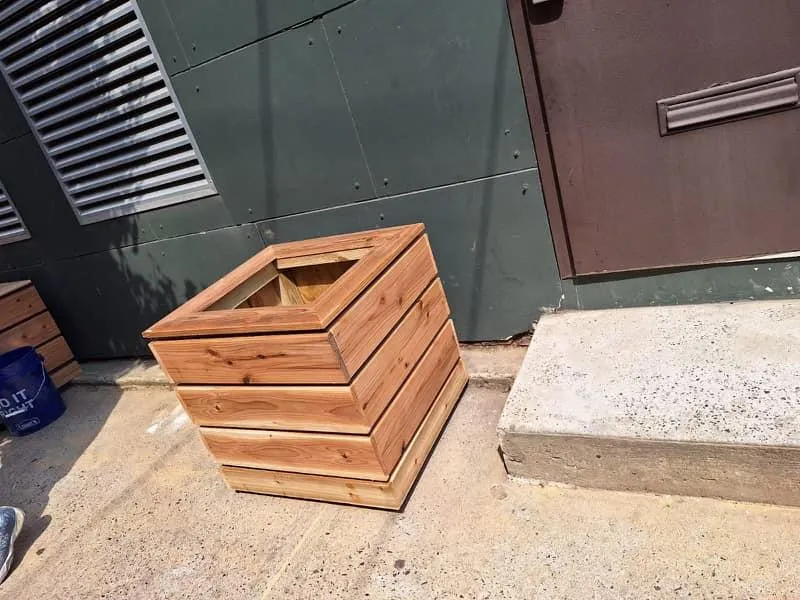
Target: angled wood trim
322,258
389,494
362,328
338,297
193,319
345,241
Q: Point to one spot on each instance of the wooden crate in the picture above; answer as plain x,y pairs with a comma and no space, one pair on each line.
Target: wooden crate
25,321
318,364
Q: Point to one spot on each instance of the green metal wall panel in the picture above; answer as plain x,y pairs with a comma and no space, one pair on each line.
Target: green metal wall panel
490,239
274,127
162,31
434,88
103,301
208,28
12,123
764,280
47,214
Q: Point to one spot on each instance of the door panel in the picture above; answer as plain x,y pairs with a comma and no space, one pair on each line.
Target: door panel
634,199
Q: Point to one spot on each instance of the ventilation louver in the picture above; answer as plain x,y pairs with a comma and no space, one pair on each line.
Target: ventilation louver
11,227
99,101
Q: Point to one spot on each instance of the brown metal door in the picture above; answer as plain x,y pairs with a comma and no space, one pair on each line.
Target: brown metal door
696,179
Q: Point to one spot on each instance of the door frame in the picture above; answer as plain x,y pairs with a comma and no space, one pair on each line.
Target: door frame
524,46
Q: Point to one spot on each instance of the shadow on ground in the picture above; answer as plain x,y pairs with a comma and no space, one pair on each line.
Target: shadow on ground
31,466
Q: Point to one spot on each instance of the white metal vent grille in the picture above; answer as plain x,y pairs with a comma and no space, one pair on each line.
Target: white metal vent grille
11,227
97,97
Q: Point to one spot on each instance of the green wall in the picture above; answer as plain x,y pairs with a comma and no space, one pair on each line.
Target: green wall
318,117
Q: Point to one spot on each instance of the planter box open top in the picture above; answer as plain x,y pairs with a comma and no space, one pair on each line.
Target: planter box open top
321,369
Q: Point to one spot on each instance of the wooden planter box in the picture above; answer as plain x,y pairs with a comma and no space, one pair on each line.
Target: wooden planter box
320,369
25,321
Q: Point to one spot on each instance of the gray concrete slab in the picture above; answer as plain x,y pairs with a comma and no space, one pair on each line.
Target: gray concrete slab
698,399
124,503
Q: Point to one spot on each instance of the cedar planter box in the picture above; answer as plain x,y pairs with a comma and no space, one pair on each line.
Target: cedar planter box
25,321
320,369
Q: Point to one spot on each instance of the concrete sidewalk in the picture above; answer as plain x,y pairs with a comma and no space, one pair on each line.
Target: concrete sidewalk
124,502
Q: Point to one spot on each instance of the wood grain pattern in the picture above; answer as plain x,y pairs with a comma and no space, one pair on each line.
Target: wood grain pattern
56,353
322,258
291,358
370,456
399,422
330,408
325,454
290,295
389,495
269,295
19,305
65,374
367,322
331,303
192,318
336,243
12,286
246,289
387,369
33,332
313,280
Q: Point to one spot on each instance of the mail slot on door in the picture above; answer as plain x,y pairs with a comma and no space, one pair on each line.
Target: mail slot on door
729,101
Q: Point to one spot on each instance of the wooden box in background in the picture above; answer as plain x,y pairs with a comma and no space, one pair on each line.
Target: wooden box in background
320,369
25,321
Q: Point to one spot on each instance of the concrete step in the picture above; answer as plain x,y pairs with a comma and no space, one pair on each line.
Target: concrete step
699,400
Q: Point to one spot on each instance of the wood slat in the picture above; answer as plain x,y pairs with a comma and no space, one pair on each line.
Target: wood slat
390,494
290,295
246,289
360,456
56,353
401,418
291,358
343,454
12,286
345,241
18,305
334,301
367,322
33,332
387,369
65,374
322,258
331,408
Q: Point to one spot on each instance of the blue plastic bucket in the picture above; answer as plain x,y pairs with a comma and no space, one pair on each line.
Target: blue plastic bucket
28,399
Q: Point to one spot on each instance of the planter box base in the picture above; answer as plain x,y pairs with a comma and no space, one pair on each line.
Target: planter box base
389,494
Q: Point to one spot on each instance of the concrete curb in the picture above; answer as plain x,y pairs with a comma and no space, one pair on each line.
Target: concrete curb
489,366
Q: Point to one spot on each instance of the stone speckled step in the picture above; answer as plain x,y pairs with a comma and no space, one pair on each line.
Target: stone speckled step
700,400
